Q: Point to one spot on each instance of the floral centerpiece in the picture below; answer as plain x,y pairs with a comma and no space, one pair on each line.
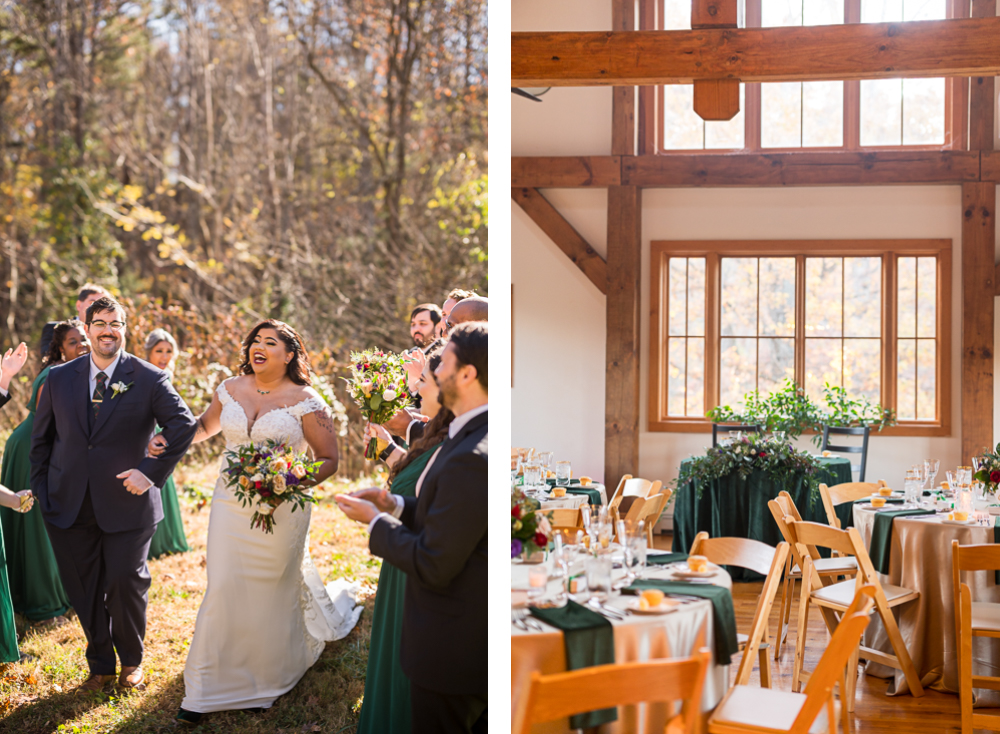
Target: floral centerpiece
987,468
378,386
530,530
269,475
755,452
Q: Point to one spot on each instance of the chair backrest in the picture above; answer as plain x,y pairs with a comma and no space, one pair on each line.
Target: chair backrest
847,542
970,558
838,494
831,666
742,552
616,498
604,686
862,431
788,504
639,487
717,427
650,510
566,521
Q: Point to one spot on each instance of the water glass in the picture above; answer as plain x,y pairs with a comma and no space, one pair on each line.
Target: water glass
636,544
735,436
912,489
952,477
533,474
545,459
564,473
599,577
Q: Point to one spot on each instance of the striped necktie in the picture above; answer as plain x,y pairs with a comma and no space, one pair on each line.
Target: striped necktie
99,392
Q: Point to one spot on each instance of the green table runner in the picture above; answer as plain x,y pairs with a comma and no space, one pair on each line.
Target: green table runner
589,640
881,543
574,487
736,507
723,614
662,559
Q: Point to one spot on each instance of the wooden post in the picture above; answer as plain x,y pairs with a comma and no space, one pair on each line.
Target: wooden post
978,271
623,98
621,388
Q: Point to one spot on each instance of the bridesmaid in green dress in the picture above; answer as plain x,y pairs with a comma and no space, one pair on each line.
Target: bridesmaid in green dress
35,586
161,350
386,703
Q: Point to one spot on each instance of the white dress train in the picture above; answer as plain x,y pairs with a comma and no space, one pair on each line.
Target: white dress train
266,615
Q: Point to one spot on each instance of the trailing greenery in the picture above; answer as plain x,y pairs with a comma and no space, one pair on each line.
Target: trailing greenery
789,409
779,460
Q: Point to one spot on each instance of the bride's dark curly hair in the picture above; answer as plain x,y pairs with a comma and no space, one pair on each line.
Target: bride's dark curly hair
298,369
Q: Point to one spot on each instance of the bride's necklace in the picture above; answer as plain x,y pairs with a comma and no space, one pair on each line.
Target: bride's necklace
263,392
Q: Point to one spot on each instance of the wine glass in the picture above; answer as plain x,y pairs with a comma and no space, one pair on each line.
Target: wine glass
931,467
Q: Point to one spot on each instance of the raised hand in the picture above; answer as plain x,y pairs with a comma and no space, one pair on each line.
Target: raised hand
157,445
414,367
11,363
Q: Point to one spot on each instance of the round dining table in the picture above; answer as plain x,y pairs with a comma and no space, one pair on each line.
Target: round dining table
920,559
636,638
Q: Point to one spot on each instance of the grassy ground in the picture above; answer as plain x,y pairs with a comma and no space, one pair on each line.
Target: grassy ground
37,696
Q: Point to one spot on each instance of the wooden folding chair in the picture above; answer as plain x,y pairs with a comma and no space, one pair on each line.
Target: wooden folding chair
747,710
974,619
837,598
829,569
765,560
616,498
838,494
629,491
566,521
603,686
648,512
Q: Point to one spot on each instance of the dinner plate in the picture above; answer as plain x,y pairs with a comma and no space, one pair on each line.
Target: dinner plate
665,607
959,522
682,570
889,497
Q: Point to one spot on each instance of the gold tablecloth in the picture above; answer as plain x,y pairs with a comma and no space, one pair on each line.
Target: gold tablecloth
637,638
920,559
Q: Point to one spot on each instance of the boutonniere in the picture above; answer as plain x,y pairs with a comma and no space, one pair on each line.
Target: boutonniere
119,387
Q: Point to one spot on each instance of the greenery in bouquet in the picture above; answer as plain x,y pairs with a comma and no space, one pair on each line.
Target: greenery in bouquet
529,527
754,452
269,475
987,466
791,410
378,386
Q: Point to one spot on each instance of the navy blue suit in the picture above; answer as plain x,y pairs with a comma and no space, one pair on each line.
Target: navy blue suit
100,532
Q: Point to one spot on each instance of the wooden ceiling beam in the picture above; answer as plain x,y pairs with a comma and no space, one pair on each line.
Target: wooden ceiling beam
561,232
565,172
990,166
942,48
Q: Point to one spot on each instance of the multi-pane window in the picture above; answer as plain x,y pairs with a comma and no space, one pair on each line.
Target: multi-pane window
827,114
867,316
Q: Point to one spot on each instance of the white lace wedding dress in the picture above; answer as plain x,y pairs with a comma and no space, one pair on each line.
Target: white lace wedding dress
266,615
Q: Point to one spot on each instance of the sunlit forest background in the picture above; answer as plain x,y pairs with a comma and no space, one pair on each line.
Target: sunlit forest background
213,163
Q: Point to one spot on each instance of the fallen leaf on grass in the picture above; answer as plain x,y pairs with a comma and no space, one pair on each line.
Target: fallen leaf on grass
167,577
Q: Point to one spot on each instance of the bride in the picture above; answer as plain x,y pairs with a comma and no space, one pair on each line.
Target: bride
266,616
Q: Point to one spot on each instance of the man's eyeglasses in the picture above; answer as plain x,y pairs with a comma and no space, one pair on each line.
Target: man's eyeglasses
448,325
116,325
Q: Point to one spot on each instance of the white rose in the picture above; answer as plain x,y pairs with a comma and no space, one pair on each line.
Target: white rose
299,471
257,477
390,395
279,484
265,509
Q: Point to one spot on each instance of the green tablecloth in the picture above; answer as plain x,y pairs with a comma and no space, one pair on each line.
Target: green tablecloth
736,507
880,546
574,487
589,640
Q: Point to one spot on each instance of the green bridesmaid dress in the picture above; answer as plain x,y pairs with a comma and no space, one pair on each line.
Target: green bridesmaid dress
169,536
8,630
35,587
386,705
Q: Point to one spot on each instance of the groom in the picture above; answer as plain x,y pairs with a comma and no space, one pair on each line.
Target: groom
98,492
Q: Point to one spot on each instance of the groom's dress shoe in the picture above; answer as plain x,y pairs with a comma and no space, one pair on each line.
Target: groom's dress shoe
95,684
132,678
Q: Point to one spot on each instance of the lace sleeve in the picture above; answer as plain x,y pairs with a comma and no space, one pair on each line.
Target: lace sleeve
309,405
223,392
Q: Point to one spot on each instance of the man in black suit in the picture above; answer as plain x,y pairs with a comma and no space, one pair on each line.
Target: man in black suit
438,538
10,364
98,491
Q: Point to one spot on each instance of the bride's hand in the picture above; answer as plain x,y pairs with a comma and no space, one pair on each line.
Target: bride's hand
381,498
157,445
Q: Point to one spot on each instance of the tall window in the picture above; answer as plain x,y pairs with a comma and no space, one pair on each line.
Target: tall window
795,115
866,315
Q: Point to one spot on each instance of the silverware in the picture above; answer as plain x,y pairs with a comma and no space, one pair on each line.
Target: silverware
529,623
516,620
609,612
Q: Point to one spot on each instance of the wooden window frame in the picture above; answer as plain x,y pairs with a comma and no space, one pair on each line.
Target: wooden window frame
714,250
651,114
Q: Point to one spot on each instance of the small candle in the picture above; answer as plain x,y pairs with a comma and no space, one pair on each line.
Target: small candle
538,577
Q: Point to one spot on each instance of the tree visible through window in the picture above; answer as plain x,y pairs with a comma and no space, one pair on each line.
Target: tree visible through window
863,315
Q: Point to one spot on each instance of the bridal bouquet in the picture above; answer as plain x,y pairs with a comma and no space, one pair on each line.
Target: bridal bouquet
378,386
269,474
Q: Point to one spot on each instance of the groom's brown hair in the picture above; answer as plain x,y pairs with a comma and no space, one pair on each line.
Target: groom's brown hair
102,304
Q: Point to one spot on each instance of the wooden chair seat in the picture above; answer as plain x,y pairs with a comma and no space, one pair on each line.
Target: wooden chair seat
843,564
839,596
985,618
762,709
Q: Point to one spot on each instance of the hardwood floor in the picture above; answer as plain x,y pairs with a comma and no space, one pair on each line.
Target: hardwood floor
875,712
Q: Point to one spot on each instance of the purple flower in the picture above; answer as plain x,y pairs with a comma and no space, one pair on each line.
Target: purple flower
515,547
291,480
